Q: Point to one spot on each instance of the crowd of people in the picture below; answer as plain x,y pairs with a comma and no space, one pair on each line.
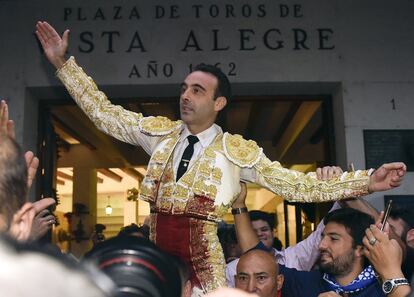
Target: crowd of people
195,175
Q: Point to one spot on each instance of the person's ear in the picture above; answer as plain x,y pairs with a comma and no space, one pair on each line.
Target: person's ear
22,221
359,251
220,103
187,289
410,238
279,281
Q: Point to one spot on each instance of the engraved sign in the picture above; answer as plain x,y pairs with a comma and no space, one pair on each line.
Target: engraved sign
384,146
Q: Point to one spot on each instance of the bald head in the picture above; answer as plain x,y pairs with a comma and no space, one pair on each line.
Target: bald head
13,178
258,272
260,258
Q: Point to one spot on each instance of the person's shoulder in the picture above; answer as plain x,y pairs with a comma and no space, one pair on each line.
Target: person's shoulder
306,278
242,152
159,126
373,290
300,283
232,264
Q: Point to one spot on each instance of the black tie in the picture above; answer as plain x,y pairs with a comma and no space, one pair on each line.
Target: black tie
188,153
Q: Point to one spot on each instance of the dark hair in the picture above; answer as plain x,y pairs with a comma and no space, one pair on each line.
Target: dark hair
137,267
223,83
407,216
270,218
13,178
353,220
132,229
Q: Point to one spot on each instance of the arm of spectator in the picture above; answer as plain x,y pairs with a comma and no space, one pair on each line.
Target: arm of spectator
246,236
6,125
361,205
7,128
386,256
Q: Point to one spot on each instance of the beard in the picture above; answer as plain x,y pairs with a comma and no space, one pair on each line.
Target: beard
341,265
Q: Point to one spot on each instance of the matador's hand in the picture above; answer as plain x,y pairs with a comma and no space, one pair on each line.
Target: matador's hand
54,46
387,177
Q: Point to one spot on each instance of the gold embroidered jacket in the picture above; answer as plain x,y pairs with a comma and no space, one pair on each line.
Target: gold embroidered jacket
217,172
206,191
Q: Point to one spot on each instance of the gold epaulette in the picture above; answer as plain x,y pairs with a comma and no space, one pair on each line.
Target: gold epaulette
244,153
158,126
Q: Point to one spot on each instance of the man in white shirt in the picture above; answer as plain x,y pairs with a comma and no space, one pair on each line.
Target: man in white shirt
301,256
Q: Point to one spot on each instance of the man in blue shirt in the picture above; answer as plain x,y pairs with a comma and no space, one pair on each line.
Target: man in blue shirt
343,268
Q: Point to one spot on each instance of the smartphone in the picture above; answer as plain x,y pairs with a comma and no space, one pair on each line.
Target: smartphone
386,214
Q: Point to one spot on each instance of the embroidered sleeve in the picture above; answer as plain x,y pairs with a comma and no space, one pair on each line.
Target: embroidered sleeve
244,153
296,186
112,119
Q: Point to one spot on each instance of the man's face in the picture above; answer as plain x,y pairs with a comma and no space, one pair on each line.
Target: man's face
264,232
337,256
398,226
257,272
198,104
401,228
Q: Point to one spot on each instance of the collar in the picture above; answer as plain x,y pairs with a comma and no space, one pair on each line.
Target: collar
279,254
205,137
363,280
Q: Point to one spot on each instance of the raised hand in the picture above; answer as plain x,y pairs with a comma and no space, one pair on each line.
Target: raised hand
387,177
6,125
7,129
32,163
241,199
384,254
43,220
54,46
42,223
42,204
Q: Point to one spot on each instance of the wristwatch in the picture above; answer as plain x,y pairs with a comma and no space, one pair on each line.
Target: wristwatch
236,211
390,284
